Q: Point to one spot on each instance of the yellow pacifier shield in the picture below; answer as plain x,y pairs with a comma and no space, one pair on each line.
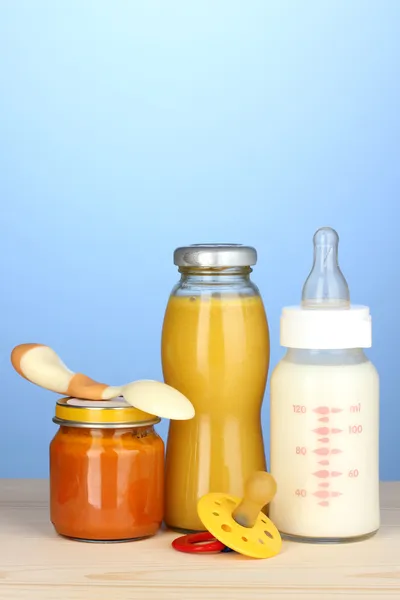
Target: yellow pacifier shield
260,541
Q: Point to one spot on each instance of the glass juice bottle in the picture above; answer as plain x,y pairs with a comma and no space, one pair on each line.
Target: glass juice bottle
215,350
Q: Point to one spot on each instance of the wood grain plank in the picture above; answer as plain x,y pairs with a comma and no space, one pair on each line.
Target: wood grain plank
36,564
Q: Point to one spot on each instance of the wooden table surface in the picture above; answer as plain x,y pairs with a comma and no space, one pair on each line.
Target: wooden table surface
36,564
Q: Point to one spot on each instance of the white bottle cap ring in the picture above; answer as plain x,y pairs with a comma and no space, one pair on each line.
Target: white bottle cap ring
329,329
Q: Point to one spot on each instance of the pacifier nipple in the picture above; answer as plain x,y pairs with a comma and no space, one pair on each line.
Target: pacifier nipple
258,492
325,287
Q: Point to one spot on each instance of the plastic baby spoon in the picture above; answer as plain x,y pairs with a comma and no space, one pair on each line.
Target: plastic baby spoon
238,524
40,365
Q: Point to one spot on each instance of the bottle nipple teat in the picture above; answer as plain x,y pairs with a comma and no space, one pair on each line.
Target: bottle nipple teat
325,286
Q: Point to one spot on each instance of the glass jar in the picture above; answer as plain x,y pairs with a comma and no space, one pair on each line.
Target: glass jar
106,471
215,350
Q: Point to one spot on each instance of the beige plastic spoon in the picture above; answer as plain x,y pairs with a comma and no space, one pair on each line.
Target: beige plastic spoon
40,365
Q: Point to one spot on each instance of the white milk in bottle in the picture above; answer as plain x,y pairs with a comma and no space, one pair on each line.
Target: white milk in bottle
325,412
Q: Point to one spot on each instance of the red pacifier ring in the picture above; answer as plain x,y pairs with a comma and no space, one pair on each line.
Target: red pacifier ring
193,543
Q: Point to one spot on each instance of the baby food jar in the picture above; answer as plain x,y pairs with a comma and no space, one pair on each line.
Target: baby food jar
215,350
106,471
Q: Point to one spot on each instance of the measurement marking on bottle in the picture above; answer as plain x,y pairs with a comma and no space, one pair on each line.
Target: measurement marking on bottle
298,408
321,430
322,451
326,431
321,474
322,410
355,428
301,450
354,473
325,410
324,494
301,493
356,408
321,494
326,451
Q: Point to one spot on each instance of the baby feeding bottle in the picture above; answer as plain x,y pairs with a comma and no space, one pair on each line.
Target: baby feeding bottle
215,350
325,412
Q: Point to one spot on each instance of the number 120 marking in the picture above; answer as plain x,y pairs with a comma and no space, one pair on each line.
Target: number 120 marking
297,408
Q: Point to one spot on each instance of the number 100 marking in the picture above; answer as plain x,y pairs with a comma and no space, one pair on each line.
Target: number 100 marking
355,428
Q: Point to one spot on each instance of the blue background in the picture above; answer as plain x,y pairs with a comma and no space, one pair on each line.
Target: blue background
129,128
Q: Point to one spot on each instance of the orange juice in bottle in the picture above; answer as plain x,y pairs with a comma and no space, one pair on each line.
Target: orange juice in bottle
215,350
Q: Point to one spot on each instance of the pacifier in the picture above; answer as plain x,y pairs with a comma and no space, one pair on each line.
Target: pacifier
236,524
40,365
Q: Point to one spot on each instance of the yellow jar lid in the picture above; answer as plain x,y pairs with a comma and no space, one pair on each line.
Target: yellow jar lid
101,413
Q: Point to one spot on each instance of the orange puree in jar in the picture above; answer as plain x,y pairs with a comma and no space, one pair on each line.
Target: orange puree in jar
106,479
